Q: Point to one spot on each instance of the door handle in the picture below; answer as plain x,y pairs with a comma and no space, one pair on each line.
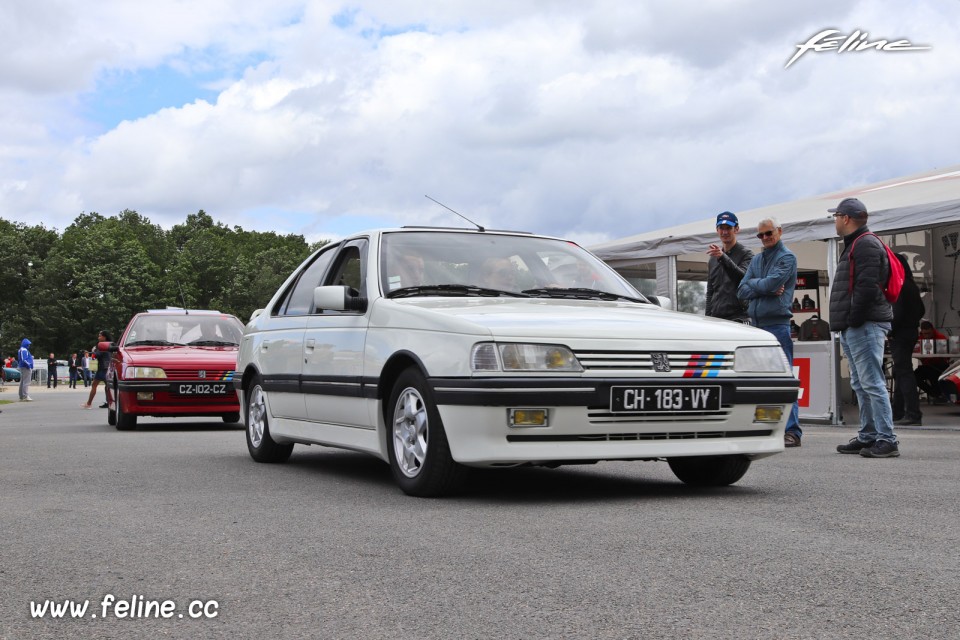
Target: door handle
310,344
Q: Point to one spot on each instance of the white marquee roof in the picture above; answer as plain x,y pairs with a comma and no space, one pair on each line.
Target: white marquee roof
919,201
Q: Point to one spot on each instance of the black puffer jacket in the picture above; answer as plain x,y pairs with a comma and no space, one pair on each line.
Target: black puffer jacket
724,276
871,270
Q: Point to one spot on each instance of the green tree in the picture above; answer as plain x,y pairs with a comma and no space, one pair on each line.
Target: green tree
25,251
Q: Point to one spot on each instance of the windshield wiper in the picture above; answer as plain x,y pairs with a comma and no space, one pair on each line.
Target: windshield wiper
150,343
451,290
211,343
579,293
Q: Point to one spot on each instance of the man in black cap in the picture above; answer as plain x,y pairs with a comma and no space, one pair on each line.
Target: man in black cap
728,262
862,315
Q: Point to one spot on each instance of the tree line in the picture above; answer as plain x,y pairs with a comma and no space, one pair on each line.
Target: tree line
60,289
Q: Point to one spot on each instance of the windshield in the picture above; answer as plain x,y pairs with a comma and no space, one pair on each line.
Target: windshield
491,263
176,330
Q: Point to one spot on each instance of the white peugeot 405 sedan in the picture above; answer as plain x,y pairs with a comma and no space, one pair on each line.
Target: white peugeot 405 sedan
438,350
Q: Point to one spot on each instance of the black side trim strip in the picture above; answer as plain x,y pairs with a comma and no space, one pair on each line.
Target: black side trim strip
340,386
620,437
595,392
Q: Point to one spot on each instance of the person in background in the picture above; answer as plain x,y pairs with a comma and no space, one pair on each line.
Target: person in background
907,312
725,268
73,365
85,368
768,287
927,375
103,363
499,274
862,315
52,371
25,364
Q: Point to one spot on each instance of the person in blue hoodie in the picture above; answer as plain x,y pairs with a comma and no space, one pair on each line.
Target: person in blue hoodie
25,364
768,287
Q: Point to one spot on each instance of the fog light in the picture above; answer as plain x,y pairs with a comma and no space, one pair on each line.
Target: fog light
767,414
144,395
527,417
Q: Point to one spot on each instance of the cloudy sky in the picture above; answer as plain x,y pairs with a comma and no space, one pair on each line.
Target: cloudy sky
590,120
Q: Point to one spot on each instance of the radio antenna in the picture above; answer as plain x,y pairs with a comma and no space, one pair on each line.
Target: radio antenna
182,299
459,214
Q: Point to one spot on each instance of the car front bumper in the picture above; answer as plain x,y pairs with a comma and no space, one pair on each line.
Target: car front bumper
582,428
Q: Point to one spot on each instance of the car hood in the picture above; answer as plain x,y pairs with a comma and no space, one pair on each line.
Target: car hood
218,357
545,318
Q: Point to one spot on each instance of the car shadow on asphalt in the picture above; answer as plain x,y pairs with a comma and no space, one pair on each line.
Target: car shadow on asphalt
565,484
178,424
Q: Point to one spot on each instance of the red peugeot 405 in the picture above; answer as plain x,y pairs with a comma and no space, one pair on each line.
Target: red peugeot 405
174,363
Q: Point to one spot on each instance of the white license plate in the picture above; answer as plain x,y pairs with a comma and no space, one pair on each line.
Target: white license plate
665,399
202,389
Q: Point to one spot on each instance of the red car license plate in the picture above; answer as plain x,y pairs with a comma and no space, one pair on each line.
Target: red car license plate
203,389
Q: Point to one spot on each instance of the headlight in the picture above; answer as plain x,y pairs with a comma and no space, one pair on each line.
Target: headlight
490,356
760,360
146,372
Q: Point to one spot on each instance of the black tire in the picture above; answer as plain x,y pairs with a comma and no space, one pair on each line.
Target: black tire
416,441
112,410
125,421
262,447
231,418
709,471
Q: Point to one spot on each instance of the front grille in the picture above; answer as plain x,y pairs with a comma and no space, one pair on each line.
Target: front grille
636,437
598,416
690,364
218,375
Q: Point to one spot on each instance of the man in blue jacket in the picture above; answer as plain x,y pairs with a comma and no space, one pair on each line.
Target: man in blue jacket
25,364
768,287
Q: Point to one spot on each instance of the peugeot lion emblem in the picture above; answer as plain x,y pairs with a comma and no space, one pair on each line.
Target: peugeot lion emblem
203,374
661,362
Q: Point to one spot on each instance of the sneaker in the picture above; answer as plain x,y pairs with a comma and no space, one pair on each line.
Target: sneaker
104,405
791,440
854,446
27,399
908,422
881,449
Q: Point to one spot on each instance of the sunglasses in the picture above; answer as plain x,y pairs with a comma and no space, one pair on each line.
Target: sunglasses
765,234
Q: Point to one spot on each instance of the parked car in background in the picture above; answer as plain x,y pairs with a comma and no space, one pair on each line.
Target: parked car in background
437,350
174,363
11,375
950,383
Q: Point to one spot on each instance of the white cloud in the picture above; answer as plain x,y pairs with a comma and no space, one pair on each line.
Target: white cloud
588,120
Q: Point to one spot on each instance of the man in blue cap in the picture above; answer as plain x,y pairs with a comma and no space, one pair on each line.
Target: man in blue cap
728,262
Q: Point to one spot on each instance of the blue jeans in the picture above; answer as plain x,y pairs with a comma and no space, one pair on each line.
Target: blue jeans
782,333
863,348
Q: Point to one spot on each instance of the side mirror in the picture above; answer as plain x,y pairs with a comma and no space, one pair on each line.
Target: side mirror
255,314
661,301
338,298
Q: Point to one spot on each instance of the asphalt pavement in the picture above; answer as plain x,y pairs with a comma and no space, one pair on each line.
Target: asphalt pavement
810,544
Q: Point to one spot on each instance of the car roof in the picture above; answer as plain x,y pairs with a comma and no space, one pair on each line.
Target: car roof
177,311
431,229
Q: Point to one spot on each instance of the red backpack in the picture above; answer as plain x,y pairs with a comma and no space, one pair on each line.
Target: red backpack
891,290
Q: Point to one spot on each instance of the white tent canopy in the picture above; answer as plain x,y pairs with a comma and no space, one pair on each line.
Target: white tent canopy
903,204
